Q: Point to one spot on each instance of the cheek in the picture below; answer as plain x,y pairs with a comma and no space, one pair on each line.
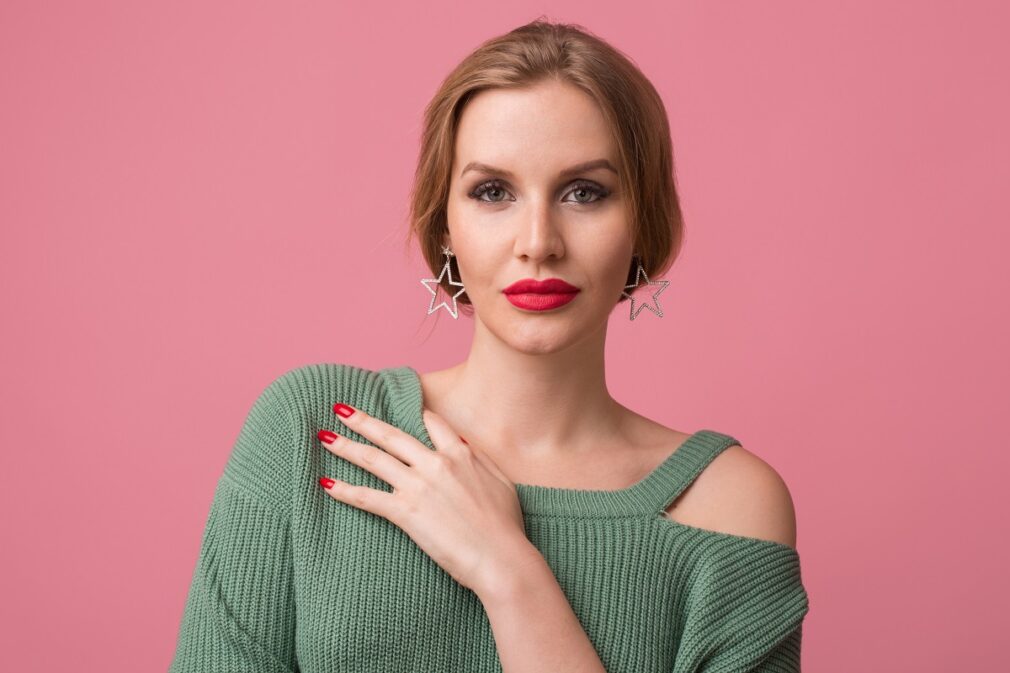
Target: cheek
480,253
476,268
609,258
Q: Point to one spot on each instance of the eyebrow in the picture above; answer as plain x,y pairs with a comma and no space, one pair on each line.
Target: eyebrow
578,168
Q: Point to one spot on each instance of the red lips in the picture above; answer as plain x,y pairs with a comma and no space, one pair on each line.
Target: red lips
533,286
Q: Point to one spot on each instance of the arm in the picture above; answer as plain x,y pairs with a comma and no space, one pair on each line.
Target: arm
239,613
754,619
746,622
785,658
534,626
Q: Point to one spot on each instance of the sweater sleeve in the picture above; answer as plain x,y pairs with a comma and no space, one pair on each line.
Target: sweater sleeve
785,658
239,613
746,611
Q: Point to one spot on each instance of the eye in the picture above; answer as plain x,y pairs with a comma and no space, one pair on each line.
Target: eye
485,188
582,186
592,189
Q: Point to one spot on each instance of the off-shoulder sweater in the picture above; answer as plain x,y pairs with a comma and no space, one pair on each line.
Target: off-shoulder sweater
289,579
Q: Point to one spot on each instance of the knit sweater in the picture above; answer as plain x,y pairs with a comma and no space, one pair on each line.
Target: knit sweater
289,579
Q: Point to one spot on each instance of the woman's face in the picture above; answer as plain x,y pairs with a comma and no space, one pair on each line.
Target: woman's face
521,215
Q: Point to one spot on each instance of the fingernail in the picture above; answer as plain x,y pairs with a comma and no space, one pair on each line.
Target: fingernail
326,482
326,436
342,409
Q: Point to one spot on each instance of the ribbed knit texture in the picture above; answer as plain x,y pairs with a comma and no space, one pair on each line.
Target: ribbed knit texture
289,579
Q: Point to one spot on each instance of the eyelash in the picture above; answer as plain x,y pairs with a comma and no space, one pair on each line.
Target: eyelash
600,192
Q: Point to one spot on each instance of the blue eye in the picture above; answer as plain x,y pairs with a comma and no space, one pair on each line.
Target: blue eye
495,186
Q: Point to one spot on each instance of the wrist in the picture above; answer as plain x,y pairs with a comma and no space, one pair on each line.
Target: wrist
516,572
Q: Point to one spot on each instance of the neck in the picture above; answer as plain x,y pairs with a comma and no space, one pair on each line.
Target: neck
529,405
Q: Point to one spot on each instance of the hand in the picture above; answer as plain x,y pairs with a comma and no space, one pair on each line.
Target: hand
453,502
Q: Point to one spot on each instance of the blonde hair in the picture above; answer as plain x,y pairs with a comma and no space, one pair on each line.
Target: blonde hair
630,104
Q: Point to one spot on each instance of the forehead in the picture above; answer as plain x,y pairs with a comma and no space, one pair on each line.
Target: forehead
547,126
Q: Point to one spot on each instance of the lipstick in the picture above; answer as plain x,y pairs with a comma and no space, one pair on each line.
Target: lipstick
540,295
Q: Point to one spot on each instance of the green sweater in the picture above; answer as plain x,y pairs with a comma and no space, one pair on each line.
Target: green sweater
289,579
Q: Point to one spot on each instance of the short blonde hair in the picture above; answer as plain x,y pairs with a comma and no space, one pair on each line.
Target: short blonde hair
630,104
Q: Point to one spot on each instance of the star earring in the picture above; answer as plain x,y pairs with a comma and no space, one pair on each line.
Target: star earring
432,284
661,284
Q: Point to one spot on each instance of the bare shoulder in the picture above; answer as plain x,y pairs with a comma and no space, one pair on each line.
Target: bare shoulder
740,494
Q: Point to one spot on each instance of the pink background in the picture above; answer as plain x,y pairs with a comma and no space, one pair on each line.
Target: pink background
198,196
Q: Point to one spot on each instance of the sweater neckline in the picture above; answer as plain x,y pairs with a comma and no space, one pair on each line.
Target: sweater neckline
642,497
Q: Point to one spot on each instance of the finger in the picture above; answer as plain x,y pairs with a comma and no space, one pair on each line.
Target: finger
362,497
487,461
445,438
370,458
442,435
389,437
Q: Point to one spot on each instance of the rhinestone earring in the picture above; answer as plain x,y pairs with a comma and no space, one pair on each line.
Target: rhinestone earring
655,295
432,284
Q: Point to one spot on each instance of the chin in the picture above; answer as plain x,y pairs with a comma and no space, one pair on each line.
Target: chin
536,337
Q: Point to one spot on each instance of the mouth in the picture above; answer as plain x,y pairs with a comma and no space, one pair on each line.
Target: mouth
540,295
534,286
540,301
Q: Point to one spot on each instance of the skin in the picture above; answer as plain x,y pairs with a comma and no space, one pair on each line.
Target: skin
531,397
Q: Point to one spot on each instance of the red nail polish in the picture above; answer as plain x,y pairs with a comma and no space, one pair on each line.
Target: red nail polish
342,409
326,482
326,436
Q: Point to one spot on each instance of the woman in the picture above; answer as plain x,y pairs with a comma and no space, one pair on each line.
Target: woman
355,529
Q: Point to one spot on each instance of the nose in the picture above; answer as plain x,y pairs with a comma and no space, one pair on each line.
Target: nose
538,236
